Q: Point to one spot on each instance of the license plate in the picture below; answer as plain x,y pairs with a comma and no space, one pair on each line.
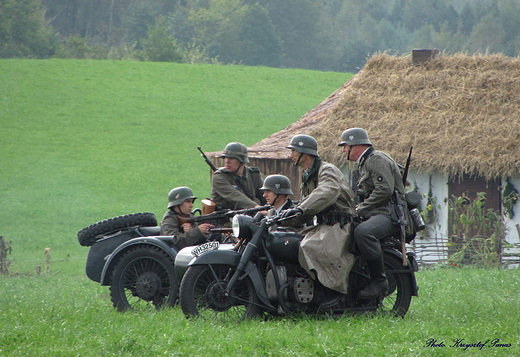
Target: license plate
204,248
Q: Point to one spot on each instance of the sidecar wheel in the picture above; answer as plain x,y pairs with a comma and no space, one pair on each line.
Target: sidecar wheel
91,234
144,278
201,294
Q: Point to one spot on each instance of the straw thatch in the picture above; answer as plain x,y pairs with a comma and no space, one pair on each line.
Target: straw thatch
460,113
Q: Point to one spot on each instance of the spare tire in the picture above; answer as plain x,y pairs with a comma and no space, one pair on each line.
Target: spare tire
91,234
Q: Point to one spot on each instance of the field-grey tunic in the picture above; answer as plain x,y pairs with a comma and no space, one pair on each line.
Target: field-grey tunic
236,192
170,226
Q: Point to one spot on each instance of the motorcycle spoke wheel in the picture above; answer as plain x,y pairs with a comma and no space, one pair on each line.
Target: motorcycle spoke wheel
144,279
202,295
397,300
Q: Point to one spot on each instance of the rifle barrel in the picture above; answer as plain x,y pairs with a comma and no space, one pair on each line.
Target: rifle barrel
208,161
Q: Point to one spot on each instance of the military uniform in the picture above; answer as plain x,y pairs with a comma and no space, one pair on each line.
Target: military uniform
324,251
379,177
237,192
273,212
170,226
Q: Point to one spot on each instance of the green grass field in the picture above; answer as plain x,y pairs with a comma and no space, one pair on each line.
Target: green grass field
83,141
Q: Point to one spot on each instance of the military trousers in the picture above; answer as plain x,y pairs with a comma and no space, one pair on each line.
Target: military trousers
368,234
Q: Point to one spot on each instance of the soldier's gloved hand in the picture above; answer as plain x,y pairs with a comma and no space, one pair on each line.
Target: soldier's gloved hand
291,212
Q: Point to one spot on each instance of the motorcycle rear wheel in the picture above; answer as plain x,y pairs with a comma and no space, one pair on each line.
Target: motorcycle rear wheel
201,294
397,300
144,279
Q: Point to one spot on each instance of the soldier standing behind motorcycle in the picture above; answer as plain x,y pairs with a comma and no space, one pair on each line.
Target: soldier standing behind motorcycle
180,203
379,177
324,192
236,186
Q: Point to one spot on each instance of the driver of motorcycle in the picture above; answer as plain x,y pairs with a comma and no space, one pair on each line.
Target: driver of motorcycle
180,204
324,193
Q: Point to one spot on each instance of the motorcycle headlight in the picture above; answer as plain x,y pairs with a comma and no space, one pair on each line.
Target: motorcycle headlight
241,226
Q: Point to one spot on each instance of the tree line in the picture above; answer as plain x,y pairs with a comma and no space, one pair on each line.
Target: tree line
333,35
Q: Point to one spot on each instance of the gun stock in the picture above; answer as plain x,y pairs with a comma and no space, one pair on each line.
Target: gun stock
401,215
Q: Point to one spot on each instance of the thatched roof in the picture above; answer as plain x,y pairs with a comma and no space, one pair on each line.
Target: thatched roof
460,113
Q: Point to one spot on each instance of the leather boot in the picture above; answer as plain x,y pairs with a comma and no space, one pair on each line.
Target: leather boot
332,297
378,283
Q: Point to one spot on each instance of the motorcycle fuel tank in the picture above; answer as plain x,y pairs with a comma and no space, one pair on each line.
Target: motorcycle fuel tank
284,245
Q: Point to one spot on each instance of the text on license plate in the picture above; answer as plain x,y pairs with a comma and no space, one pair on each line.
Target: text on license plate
204,248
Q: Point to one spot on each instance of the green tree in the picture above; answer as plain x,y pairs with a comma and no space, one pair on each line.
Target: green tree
487,36
508,17
22,30
448,40
161,45
261,46
217,28
297,24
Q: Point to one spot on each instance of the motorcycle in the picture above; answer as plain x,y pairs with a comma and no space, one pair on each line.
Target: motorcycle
129,254
262,274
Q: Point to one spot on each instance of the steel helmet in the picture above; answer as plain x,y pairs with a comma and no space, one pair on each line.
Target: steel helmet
236,150
279,184
305,144
178,195
354,136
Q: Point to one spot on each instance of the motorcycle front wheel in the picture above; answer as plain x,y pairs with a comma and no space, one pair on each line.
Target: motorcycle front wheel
202,294
144,279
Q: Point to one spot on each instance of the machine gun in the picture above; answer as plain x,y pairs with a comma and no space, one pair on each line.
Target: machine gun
221,215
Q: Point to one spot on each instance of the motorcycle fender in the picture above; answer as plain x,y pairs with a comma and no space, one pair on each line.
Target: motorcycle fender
162,242
185,256
232,258
99,251
411,268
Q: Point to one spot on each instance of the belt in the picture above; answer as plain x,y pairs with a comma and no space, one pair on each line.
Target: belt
332,217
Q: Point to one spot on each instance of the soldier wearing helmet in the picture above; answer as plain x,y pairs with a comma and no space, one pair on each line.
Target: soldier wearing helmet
236,186
180,204
326,195
379,177
276,190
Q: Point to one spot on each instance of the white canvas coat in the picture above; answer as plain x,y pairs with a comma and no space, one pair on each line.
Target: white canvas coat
324,251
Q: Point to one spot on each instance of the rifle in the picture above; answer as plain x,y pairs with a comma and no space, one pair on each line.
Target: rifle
221,214
208,161
407,166
401,206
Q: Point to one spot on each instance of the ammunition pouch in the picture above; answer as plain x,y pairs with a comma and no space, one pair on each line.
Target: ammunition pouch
400,215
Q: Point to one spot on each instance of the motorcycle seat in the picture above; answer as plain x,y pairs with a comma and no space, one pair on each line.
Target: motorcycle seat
150,231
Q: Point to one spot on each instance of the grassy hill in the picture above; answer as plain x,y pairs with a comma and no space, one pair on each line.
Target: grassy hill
84,141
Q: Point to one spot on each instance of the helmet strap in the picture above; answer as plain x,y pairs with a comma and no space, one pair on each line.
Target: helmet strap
299,158
178,210
348,152
274,201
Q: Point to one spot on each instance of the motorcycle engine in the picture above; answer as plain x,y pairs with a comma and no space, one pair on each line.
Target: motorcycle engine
298,288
